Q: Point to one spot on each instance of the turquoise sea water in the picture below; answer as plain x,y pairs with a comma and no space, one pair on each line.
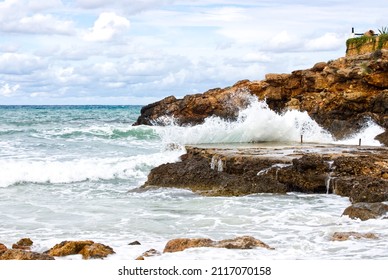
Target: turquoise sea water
65,173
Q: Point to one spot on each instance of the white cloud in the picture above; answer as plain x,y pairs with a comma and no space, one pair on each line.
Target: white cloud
8,90
106,27
326,42
20,63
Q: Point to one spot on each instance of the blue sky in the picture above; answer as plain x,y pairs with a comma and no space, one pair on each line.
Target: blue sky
137,52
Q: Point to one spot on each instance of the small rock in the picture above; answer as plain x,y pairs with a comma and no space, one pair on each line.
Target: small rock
180,244
15,254
23,244
342,236
149,253
96,251
134,243
365,211
243,242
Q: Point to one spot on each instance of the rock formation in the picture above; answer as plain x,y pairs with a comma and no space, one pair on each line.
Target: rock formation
88,249
243,242
366,211
17,254
341,95
358,174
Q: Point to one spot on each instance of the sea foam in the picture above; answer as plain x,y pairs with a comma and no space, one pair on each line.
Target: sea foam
258,123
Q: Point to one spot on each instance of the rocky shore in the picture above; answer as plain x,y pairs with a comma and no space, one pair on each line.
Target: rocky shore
341,95
360,173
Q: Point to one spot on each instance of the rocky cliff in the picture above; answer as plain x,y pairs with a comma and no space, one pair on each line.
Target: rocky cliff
341,95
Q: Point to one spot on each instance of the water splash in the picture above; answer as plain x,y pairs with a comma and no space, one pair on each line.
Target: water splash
367,135
256,123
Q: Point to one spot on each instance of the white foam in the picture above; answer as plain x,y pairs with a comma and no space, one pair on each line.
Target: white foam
256,123
78,170
367,135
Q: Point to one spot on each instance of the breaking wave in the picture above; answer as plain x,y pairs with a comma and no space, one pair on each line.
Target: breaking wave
256,123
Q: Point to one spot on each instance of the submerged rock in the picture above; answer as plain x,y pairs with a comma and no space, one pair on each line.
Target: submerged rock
147,254
343,236
16,254
88,249
366,211
243,242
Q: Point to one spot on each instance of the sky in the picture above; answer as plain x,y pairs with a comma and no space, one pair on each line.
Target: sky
60,52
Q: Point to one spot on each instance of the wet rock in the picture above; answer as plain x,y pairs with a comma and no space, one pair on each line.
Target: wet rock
360,175
3,248
243,242
15,254
23,244
366,211
180,244
134,243
343,236
149,253
362,188
96,251
308,174
88,249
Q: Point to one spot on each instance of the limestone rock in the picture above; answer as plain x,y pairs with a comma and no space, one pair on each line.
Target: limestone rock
88,249
96,251
243,242
23,244
366,211
342,236
15,254
180,244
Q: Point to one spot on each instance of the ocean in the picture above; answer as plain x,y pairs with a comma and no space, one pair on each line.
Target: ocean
66,173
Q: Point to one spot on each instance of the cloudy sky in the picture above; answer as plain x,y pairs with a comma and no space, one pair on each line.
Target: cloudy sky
139,51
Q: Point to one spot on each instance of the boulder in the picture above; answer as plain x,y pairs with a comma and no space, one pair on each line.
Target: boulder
243,242
366,211
23,244
16,254
134,243
88,249
342,236
180,244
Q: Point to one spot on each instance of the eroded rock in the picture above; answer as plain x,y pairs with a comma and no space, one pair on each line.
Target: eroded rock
366,211
16,254
243,242
88,249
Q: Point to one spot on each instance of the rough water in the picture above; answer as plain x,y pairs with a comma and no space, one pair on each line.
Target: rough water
65,173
